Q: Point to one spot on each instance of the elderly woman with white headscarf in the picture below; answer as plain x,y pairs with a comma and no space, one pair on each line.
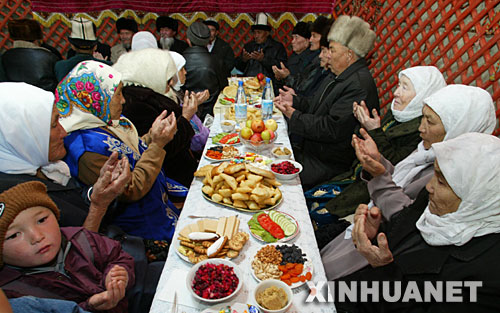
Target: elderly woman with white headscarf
148,75
452,237
448,113
396,137
32,148
90,102
201,132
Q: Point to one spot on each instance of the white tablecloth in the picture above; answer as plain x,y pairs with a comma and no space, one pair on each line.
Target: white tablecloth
174,273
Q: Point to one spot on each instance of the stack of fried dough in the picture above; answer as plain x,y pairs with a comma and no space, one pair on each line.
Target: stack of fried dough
240,185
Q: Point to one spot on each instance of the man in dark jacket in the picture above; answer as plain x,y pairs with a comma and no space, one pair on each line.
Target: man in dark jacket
168,28
28,61
202,68
260,55
219,48
325,121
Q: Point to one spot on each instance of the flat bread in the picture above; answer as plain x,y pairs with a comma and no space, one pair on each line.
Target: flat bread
230,91
252,83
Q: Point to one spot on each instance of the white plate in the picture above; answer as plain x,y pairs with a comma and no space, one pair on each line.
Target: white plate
308,266
219,160
177,243
236,307
291,219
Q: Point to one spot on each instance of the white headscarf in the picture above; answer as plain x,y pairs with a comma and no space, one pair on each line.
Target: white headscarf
426,80
25,132
179,61
143,40
470,164
462,109
151,68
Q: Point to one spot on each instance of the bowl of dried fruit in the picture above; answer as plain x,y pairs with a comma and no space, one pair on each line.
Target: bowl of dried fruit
286,170
214,280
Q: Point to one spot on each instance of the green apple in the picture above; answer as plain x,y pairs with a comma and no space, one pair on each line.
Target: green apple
249,124
271,124
246,133
266,135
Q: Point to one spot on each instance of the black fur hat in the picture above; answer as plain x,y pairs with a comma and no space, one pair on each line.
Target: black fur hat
25,29
126,23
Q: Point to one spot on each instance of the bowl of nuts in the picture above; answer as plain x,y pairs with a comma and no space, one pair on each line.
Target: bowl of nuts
214,280
281,153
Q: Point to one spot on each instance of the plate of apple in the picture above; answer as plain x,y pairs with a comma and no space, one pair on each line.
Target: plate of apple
259,135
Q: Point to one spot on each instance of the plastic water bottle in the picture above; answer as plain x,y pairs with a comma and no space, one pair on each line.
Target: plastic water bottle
240,106
267,100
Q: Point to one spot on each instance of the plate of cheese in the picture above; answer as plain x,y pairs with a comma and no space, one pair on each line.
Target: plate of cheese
210,238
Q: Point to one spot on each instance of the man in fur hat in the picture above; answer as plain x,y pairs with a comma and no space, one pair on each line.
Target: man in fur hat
325,120
126,28
168,28
219,48
83,40
28,61
263,52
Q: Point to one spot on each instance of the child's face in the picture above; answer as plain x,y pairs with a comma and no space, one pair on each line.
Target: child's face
33,238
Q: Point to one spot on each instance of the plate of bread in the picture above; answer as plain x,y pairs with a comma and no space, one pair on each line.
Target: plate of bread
240,186
211,238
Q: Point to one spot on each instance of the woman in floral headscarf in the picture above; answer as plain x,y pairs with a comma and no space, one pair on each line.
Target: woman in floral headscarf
89,100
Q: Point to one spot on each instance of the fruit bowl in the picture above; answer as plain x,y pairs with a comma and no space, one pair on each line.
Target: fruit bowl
259,145
214,278
284,170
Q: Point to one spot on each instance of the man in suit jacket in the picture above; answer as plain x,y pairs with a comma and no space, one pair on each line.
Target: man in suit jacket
219,48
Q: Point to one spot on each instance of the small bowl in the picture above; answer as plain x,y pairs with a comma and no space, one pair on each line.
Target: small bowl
192,272
260,145
263,285
227,126
281,156
286,176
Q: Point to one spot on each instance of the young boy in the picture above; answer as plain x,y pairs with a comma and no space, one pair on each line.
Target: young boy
71,263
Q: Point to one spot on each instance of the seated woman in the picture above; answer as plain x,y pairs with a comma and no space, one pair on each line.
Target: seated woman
200,131
90,101
455,236
396,137
448,113
38,258
147,75
32,147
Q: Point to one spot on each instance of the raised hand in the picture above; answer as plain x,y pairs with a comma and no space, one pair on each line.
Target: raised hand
285,106
202,96
245,55
365,228
363,115
190,105
163,129
117,273
106,300
281,73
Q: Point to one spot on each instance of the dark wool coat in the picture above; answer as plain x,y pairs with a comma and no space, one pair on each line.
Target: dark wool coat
326,123
142,106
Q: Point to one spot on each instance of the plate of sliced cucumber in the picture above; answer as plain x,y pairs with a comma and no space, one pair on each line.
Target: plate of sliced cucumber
275,227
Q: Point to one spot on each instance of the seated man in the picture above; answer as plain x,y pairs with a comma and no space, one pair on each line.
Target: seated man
302,55
260,55
84,41
325,121
203,70
168,28
219,48
28,61
43,260
126,28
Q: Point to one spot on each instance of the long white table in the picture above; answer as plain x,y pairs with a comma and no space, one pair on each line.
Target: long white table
173,277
